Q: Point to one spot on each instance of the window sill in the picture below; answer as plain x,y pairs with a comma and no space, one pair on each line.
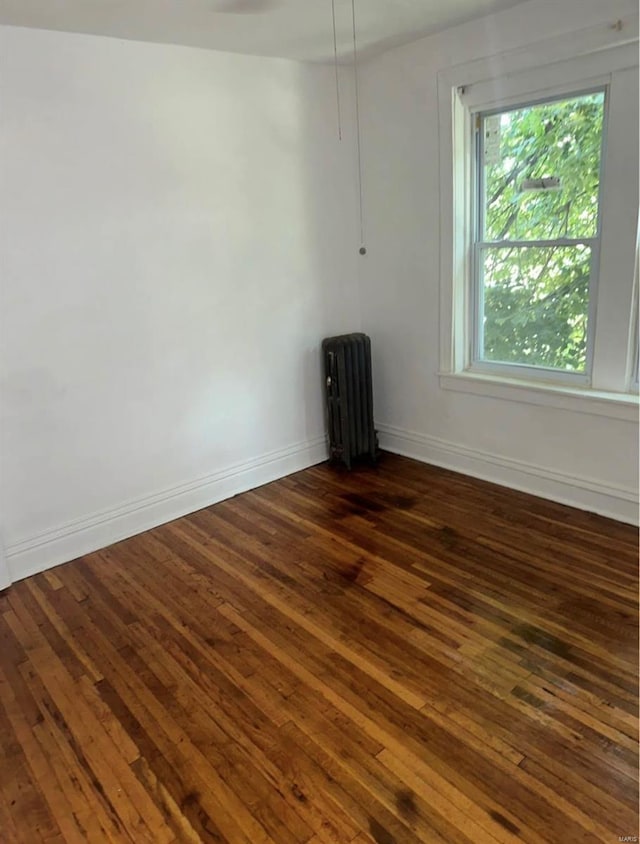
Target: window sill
623,406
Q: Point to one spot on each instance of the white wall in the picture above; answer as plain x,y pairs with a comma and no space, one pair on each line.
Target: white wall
588,460
177,235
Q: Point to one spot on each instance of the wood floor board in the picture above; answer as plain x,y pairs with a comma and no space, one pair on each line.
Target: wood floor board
396,654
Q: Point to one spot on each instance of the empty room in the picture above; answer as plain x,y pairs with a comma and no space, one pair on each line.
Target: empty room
318,421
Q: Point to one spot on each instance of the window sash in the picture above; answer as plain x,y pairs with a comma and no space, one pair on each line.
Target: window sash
511,369
551,242
478,194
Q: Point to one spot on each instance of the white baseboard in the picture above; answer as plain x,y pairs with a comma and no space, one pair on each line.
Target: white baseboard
585,493
82,536
98,530
5,577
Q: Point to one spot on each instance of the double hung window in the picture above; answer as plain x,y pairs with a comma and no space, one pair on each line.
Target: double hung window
539,228
538,172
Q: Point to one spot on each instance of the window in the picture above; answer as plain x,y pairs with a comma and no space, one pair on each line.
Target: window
537,223
539,220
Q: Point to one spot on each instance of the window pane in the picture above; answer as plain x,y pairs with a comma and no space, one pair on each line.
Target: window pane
535,302
542,170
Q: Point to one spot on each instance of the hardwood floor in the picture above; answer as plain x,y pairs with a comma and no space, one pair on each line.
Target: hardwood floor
400,654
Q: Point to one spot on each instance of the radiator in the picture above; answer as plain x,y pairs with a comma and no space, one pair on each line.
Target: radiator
347,367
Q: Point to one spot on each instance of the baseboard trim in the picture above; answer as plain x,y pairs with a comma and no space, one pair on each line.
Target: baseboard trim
90,533
584,493
82,536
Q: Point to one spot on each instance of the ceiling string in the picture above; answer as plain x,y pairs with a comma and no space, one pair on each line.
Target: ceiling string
355,76
335,57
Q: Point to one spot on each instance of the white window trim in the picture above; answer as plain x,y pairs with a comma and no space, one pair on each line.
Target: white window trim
477,82
633,351
623,406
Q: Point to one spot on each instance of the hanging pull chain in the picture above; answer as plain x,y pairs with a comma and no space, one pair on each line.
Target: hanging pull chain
335,58
355,76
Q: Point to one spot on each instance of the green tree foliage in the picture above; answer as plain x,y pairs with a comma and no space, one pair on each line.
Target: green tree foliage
536,297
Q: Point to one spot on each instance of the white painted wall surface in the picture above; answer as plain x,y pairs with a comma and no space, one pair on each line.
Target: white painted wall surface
587,460
177,234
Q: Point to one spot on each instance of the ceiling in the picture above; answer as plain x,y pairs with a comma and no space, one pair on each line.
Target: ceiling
296,29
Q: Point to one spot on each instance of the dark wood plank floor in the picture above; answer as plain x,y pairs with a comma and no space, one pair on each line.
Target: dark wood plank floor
400,654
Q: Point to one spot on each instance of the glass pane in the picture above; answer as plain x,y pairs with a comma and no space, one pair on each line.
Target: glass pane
536,304
542,170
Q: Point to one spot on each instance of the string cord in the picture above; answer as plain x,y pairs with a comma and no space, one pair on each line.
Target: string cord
355,76
335,58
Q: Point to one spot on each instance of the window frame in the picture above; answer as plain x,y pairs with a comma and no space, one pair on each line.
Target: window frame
474,322
633,364
552,68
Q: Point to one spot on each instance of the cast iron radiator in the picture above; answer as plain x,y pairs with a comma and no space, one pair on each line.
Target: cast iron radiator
347,369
